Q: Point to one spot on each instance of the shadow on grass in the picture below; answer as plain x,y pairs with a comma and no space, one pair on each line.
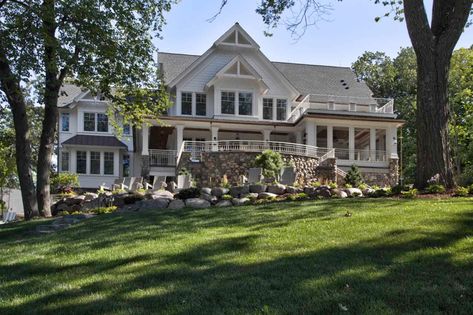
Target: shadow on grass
403,271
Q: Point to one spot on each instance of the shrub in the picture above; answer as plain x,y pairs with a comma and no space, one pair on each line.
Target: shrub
225,183
227,197
315,184
461,191
118,191
104,210
398,189
300,196
382,192
409,194
332,185
64,182
188,193
271,162
435,189
354,177
470,189
347,185
362,186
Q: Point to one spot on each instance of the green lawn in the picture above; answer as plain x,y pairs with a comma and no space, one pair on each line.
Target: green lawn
389,257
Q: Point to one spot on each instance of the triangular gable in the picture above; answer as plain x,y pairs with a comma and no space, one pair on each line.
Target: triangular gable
236,36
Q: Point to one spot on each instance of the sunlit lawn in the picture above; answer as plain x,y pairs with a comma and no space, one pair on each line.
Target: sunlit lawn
390,256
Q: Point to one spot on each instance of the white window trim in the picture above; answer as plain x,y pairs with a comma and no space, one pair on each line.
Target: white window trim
116,161
237,101
95,131
275,108
70,118
194,104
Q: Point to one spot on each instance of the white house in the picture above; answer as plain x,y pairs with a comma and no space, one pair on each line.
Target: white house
232,98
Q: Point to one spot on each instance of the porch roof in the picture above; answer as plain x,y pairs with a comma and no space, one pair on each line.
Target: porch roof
100,141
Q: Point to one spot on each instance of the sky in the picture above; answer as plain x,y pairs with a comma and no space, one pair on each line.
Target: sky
339,40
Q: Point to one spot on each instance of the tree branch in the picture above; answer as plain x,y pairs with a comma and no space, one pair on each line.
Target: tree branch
457,19
417,23
71,62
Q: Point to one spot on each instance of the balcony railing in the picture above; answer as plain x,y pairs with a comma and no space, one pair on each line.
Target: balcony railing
361,155
162,158
342,103
197,147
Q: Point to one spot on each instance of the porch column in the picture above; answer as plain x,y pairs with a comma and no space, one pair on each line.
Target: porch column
373,144
330,137
145,140
299,137
214,131
351,142
266,135
310,133
179,136
391,148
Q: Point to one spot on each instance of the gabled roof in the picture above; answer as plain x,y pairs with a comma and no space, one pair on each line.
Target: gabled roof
68,93
98,141
237,36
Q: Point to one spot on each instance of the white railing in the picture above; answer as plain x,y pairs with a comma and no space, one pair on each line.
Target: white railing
197,147
361,155
342,103
162,157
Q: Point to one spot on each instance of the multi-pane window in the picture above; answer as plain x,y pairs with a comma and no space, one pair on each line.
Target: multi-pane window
281,109
108,163
94,162
102,122
228,103
200,104
245,103
81,162
186,103
65,121
268,108
126,129
89,121
65,161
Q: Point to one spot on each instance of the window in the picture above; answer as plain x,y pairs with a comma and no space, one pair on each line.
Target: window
81,162
126,129
126,165
108,163
89,121
245,103
65,122
268,108
228,103
281,109
94,162
102,122
186,103
65,161
200,104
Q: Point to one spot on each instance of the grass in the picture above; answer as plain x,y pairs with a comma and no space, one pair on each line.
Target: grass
389,257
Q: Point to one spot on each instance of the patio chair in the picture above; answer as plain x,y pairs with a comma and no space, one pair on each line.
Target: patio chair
159,182
8,217
184,182
117,184
255,175
128,183
137,184
288,175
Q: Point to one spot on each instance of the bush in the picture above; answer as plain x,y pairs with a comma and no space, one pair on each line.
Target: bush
315,184
271,162
300,196
188,193
64,182
104,210
398,189
382,192
435,189
354,177
347,185
362,186
227,197
461,191
409,194
332,185
470,189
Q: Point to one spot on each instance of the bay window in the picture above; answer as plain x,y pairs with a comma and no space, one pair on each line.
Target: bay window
96,122
108,163
102,122
94,162
89,121
81,162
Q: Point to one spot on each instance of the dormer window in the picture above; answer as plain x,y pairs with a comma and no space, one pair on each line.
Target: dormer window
236,103
186,103
200,104
96,122
228,103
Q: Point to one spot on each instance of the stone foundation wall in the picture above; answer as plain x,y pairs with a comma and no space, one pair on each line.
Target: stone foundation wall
214,165
390,177
326,172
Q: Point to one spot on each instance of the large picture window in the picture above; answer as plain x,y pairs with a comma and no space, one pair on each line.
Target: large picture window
228,103
245,103
89,121
200,104
281,109
268,108
108,163
186,103
94,162
102,122
81,162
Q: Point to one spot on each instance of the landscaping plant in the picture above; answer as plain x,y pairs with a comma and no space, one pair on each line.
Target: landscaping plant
271,162
354,177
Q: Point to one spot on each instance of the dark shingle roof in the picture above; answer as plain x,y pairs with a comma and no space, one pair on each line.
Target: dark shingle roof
67,93
307,79
99,141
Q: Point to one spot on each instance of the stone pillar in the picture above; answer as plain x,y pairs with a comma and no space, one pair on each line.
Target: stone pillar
373,144
351,142
330,137
179,136
214,131
394,171
145,140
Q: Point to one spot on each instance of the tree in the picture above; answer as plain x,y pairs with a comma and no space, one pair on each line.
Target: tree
433,44
99,45
271,162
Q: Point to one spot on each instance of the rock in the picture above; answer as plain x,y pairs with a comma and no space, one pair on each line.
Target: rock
91,196
209,198
257,188
129,208
197,203
294,190
76,200
240,201
266,195
311,191
171,187
176,204
368,191
206,191
219,191
238,191
76,208
277,189
153,204
323,191
164,194
224,203
339,192
251,196
353,192
132,198
62,207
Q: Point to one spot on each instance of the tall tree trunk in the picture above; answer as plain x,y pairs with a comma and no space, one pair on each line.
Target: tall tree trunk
11,87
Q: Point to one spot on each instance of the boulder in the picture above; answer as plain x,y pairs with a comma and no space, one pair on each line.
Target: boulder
91,196
294,190
219,191
339,192
153,204
238,191
353,192
257,188
311,191
368,191
240,201
224,203
162,194
266,195
132,198
209,198
76,200
62,207
251,195
76,208
278,189
323,191
176,204
197,203
206,191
